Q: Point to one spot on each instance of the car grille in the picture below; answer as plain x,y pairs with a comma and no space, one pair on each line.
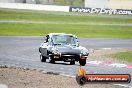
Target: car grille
69,55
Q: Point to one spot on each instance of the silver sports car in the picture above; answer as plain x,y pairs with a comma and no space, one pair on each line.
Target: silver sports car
63,47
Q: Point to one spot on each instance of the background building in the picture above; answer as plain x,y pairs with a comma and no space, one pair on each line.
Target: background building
120,4
114,4
96,3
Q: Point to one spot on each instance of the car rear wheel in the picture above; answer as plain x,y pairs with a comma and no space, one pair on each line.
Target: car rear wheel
42,58
72,62
82,62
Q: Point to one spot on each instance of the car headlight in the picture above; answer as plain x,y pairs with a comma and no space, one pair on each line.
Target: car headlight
56,52
84,52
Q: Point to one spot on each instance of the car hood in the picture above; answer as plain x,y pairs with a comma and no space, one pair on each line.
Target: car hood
67,49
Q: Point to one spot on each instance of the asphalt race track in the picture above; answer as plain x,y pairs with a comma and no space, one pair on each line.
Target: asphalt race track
23,52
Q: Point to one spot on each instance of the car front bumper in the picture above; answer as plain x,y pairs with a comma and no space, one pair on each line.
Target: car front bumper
68,57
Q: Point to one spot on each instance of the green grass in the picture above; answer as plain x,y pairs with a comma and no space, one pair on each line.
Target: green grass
124,56
68,26
32,16
19,29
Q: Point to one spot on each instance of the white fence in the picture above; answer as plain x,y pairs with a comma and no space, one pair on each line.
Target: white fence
34,7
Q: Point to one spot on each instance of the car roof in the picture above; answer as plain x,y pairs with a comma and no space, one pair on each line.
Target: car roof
51,34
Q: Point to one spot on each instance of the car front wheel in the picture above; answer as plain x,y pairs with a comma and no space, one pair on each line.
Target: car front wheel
52,60
82,62
72,62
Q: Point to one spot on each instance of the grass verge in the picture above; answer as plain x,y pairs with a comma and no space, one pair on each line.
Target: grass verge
124,56
21,29
63,17
81,29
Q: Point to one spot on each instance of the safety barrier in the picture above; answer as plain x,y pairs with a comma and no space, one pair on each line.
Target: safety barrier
101,11
34,7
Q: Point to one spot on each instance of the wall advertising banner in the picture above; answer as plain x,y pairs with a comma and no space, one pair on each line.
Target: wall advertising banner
101,10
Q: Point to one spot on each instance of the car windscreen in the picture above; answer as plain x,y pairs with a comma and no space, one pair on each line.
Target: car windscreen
64,40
